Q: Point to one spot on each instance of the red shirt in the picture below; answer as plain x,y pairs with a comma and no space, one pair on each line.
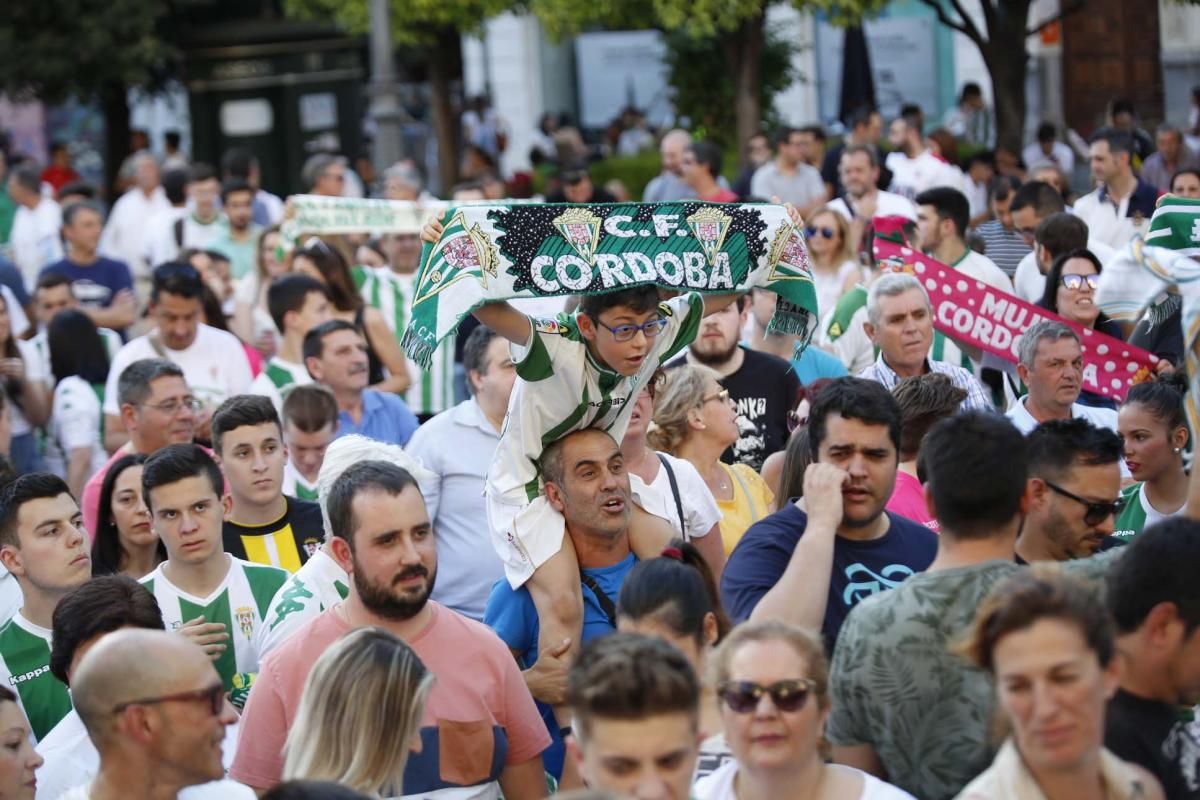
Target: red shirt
58,177
722,195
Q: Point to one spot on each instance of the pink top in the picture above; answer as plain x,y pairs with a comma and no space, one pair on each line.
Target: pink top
908,500
480,716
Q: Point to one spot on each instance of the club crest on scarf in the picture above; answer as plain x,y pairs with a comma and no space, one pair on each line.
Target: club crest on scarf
462,252
789,256
709,225
581,229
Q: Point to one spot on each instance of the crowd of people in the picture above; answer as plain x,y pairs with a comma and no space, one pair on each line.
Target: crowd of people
625,544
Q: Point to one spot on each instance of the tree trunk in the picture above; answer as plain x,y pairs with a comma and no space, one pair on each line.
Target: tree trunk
115,104
442,60
744,49
1007,59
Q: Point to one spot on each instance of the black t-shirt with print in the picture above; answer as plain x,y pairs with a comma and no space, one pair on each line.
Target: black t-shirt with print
1153,735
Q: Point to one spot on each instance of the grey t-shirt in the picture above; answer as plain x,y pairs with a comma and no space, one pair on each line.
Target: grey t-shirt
802,187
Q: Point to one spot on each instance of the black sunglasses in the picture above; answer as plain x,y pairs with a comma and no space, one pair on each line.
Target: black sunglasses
828,233
1096,512
743,696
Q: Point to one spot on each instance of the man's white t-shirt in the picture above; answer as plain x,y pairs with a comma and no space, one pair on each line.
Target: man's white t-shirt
1100,417
215,366
277,377
983,269
127,231
165,246
911,176
72,761
887,204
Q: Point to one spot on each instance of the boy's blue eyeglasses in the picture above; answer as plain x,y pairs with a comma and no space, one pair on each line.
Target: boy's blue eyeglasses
623,333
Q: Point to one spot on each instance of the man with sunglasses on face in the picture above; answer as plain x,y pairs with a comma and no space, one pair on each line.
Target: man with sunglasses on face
213,361
1074,492
156,710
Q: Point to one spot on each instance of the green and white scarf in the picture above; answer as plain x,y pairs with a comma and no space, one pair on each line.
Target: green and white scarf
315,215
498,252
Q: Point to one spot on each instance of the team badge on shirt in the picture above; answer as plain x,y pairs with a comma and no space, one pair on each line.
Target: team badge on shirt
245,619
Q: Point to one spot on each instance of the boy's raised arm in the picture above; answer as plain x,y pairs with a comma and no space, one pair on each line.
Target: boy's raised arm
505,320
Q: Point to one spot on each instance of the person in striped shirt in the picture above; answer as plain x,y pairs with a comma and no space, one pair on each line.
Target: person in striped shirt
298,303
310,423
215,599
264,525
44,546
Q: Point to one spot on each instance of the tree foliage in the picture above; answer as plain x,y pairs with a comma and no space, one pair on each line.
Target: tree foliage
53,49
703,87
414,22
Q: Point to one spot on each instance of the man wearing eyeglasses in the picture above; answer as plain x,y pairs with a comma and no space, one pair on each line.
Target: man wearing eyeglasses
157,409
156,710
1074,492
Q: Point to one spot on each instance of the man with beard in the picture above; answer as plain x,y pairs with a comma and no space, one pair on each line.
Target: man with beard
813,560
481,733
1074,492
762,386
587,483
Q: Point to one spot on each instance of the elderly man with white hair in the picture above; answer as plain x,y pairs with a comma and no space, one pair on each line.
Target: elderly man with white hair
321,582
125,234
900,324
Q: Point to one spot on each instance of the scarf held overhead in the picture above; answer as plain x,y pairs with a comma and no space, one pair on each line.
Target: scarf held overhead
994,321
498,252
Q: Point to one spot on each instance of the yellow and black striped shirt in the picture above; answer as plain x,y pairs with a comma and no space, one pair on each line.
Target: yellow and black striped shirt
287,542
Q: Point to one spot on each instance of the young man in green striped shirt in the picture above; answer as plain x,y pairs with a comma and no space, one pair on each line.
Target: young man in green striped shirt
44,546
297,303
217,600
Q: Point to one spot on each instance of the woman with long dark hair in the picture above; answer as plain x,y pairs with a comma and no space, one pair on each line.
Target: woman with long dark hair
79,361
124,541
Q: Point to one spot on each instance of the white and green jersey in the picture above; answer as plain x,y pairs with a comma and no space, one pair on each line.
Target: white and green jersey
277,376
1138,514
240,602
431,391
25,669
296,485
318,585
561,388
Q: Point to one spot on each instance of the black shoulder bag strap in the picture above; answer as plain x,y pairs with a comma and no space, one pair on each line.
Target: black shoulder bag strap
606,603
674,492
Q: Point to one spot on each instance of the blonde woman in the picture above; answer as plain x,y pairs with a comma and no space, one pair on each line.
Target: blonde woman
772,682
835,267
359,732
695,420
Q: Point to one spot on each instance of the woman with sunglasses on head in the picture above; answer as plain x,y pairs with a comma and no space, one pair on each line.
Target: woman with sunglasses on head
695,420
772,684
675,598
388,369
1154,433
670,487
1071,293
1049,646
124,541
835,267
